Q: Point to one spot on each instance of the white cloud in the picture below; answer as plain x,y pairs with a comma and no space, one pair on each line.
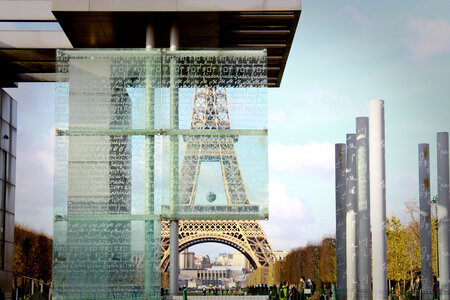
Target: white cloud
427,38
288,217
304,160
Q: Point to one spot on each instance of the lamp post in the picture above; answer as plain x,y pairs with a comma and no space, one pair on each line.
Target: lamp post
316,250
436,226
301,265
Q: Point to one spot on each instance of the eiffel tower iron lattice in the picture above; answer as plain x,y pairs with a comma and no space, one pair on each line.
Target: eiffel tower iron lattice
211,111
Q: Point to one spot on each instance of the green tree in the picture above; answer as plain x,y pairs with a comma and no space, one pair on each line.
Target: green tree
396,249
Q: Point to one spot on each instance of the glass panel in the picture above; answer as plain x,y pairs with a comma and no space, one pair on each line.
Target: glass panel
222,174
221,177
5,136
2,191
107,239
13,113
10,198
2,164
13,141
6,106
11,169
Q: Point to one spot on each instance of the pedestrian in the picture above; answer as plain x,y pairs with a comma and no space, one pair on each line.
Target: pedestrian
301,287
417,287
435,287
308,289
284,291
273,293
293,293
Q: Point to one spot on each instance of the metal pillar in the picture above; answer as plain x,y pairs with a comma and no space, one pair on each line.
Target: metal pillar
173,269
340,168
363,217
426,250
378,199
351,241
443,185
149,167
174,260
150,36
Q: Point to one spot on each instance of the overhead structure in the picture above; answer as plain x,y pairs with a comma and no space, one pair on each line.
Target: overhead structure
204,24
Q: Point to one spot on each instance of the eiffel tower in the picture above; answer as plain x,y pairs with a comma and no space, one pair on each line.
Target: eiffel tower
210,111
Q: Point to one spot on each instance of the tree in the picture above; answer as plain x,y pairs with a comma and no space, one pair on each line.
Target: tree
396,248
32,255
412,232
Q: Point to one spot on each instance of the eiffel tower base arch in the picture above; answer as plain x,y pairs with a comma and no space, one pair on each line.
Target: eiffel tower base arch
245,236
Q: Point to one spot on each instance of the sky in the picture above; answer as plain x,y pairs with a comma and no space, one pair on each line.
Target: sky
344,54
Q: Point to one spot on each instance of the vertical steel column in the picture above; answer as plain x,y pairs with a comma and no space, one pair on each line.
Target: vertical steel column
363,217
149,167
378,199
340,179
173,270
443,185
426,249
351,240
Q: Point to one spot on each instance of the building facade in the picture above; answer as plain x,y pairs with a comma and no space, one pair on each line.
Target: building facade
8,112
219,276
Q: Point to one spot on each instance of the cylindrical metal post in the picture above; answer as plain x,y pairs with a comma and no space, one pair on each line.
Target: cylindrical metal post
173,267
174,36
443,185
149,281
378,199
174,149
150,36
340,179
426,250
363,215
351,208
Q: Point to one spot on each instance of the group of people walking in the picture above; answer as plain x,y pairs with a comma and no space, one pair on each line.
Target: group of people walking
304,290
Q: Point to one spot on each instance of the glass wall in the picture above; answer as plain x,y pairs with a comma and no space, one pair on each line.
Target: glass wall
148,135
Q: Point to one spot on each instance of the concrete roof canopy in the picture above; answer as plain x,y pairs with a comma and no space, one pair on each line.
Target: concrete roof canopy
29,55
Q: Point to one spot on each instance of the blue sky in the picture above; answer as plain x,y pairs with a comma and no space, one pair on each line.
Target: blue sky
344,54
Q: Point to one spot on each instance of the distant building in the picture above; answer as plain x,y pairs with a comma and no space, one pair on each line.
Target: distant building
239,260
280,255
224,259
206,262
186,259
220,276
